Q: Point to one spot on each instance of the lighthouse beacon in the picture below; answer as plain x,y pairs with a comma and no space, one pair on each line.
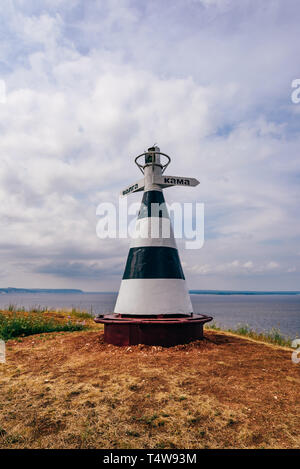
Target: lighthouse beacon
153,305
153,282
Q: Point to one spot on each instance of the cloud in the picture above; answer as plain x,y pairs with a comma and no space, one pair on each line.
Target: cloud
91,84
235,267
81,270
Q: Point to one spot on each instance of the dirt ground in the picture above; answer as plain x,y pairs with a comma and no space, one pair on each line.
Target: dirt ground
70,390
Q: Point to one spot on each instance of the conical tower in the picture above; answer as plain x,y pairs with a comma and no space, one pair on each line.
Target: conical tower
153,282
153,306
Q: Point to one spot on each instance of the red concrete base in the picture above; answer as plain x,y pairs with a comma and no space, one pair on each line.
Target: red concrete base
156,330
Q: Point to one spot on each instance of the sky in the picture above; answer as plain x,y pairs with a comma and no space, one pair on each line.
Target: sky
91,84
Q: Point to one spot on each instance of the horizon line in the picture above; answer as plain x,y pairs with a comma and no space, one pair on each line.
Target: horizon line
191,291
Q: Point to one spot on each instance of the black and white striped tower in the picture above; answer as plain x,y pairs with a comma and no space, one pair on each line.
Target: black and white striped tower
153,305
153,282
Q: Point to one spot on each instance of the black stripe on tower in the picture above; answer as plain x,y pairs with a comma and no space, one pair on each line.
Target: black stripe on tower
153,204
153,262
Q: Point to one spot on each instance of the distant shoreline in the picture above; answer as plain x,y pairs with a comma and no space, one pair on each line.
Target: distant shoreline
192,292
237,292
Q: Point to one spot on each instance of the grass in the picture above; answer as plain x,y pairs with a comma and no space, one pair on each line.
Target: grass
274,336
15,324
36,321
76,313
74,391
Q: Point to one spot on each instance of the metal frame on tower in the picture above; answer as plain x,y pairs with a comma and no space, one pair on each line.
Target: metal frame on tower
153,304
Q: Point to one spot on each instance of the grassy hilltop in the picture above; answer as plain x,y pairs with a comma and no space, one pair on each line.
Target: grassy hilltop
69,389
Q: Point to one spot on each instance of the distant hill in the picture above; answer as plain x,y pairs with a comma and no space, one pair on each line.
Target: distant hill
39,290
236,292
192,292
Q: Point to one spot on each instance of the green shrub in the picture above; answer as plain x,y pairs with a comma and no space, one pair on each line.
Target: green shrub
20,326
213,326
81,314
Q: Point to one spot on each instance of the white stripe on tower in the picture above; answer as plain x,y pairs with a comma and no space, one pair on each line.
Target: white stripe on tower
153,296
153,282
153,231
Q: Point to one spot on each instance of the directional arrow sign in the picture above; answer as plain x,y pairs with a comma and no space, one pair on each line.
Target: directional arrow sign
135,187
168,181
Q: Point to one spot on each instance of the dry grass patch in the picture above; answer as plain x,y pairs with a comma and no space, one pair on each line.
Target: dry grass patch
70,390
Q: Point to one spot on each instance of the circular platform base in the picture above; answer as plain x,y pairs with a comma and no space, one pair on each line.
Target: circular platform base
154,330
